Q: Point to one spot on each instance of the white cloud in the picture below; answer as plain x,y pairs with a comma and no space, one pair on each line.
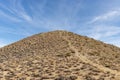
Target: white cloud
9,17
18,12
100,32
18,31
105,16
114,42
62,17
105,33
2,43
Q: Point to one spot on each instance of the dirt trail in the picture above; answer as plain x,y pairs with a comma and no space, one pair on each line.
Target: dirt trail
84,59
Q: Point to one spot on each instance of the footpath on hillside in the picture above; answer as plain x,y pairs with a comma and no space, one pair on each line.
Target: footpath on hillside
84,59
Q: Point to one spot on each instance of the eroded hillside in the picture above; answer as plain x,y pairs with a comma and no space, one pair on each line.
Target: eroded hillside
59,55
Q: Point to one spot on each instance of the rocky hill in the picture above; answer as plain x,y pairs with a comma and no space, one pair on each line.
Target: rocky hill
59,55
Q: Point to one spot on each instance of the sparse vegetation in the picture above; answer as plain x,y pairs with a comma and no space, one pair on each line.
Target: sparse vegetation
52,56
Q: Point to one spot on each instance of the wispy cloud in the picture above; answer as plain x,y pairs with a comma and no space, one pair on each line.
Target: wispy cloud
101,31
14,13
105,16
103,27
9,17
19,9
114,41
2,43
17,31
105,33
62,16
18,12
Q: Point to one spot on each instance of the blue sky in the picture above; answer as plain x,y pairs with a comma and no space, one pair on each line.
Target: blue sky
99,19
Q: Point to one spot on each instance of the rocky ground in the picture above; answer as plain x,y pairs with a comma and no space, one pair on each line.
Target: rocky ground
59,55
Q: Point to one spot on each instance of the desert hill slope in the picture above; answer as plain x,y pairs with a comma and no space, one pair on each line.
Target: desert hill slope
59,55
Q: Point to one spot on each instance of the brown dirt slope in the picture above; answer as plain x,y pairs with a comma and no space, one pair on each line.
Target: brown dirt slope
59,55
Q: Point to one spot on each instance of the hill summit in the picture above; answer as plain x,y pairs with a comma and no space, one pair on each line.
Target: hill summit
59,55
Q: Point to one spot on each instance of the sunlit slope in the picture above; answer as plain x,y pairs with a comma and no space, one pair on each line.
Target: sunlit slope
59,55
